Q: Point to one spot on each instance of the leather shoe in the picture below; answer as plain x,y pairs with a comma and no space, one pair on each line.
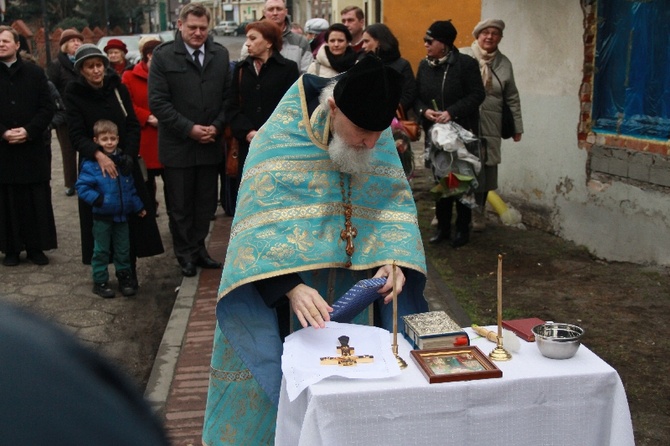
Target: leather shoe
460,239
11,259
439,236
188,269
38,257
208,262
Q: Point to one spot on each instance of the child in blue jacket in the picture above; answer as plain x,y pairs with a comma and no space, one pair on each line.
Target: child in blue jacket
112,200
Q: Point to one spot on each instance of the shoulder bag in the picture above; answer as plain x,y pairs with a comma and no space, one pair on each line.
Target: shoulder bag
410,127
507,129
231,145
140,162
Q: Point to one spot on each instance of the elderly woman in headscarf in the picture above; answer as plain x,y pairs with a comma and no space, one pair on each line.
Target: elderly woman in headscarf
498,78
449,89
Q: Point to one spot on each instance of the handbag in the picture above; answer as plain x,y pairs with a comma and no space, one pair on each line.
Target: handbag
232,146
143,168
507,129
140,162
410,127
232,150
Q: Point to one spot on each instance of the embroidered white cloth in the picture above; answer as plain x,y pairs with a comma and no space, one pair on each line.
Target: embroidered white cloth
538,401
303,350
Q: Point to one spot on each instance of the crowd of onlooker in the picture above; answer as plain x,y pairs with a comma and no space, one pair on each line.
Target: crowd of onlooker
175,132
189,112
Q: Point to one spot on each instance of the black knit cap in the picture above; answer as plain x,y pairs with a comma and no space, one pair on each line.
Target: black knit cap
368,94
442,31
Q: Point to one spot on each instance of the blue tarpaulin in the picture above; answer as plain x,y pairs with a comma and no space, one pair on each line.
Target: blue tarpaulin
632,76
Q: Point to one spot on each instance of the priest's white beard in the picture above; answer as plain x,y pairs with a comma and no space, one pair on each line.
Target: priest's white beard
349,159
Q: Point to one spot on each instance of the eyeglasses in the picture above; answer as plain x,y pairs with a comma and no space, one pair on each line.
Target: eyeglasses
491,33
427,40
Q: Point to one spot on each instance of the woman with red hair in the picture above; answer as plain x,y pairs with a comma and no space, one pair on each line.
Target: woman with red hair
259,83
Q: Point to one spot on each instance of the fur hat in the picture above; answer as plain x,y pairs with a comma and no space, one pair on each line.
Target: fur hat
144,39
315,26
116,44
70,34
148,47
488,23
86,51
368,93
442,31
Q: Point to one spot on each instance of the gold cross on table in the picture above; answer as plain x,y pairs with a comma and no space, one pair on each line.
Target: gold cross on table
347,356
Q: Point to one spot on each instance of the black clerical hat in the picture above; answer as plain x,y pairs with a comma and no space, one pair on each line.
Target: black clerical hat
368,93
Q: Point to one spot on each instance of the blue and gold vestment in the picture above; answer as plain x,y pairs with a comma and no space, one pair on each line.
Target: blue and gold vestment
288,219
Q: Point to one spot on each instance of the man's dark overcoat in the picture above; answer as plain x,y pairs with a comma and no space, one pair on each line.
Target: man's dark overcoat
180,96
26,102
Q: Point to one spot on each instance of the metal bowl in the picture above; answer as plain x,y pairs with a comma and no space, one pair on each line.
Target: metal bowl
558,341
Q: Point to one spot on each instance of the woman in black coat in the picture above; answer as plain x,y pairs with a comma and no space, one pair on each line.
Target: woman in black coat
449,88
99,94
259,83
61,72
378,39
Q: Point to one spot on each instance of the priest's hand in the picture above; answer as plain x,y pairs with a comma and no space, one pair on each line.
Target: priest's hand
309,306
387,289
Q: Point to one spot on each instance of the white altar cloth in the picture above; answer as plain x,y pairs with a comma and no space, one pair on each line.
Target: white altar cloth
538,401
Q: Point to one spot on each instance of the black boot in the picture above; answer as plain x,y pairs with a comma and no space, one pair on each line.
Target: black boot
440,235
443,212
127,285
463,219
102,289
460,239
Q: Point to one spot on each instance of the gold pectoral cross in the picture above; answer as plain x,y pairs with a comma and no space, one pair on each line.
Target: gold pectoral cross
347,356
349,233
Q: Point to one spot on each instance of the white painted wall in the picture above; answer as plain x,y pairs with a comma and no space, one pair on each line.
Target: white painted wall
547,169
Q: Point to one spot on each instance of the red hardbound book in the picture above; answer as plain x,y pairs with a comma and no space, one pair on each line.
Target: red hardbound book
523,328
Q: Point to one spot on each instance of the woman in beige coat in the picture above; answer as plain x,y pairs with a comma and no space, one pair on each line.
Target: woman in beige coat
336,55
498,78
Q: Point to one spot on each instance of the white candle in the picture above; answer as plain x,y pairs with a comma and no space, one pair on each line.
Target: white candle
499,298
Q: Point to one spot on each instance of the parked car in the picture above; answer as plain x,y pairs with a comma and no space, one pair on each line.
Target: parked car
166,36
133,43
226,28
241,29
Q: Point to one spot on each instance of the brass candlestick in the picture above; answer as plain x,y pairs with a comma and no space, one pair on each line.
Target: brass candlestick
499,353
401,362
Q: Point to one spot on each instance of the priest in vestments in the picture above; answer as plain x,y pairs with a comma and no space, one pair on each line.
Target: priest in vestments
323,203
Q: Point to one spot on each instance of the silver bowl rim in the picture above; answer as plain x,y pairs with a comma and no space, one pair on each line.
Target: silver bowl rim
560,325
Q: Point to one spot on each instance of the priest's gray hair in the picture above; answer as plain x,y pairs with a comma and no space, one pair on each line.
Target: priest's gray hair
326,93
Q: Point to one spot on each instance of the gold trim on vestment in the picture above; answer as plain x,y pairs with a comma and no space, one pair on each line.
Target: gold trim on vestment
224,375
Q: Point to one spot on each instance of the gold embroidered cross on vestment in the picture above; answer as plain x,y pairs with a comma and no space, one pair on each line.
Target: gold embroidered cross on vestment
349,232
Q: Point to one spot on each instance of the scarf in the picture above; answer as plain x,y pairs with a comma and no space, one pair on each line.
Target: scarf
484,60
433,62
343,62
